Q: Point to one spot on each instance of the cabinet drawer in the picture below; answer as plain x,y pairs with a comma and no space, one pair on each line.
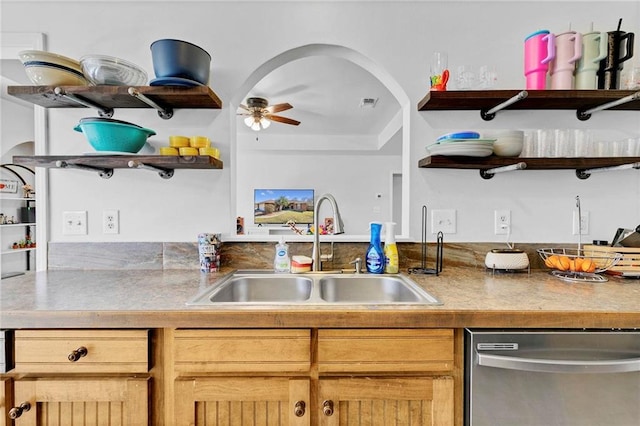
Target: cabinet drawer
107,351
385,351
215,351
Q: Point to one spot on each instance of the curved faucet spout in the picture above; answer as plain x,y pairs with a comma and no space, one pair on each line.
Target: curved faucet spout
338,227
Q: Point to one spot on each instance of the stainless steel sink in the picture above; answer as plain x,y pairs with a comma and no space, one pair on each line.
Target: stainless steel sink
372,289
260,289
268,288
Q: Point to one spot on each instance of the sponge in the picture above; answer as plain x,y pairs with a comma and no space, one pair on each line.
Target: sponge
300,264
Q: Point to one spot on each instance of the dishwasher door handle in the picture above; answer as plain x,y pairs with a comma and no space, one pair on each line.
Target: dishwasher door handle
627,365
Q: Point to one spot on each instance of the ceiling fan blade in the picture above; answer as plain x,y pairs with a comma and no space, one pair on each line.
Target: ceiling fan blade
280,119
278,108
246,108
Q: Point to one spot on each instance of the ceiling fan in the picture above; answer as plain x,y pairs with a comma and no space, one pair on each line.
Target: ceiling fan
260,114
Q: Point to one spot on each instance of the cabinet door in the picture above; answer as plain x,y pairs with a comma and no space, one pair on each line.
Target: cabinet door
386,401
79,402
242,401
5,401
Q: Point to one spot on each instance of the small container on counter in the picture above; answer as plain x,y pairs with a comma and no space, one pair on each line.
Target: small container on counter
209,246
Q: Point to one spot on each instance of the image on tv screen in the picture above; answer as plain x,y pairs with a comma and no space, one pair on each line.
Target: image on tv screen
279,206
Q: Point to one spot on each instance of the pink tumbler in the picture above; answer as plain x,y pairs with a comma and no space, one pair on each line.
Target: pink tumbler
563,66
539,50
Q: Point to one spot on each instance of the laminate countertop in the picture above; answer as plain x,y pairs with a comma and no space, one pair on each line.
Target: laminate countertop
471,297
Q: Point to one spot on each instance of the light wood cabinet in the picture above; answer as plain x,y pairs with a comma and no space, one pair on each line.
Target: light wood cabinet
313,377
229,401
79,377
402,376
6,400
387,401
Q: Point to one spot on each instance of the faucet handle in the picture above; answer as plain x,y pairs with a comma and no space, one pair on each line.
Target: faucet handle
358,264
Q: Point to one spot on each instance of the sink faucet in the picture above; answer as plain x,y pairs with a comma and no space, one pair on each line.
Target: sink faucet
338,228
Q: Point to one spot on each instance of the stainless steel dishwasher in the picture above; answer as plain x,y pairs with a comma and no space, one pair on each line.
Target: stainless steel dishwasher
552,377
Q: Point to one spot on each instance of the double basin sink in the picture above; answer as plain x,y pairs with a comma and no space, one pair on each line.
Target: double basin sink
266,287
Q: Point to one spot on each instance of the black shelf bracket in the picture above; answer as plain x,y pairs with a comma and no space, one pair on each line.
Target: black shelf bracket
103,172
102,111
584,115
585,173
488,115
164,113
489,173
164,173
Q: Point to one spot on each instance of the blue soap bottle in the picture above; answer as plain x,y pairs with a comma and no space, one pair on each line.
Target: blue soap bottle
375,255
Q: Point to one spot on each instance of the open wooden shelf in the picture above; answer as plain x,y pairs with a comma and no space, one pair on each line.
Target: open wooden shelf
492,162
200,97
104,164
536,99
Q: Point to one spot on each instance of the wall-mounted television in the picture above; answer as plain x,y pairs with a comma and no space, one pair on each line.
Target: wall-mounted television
279,206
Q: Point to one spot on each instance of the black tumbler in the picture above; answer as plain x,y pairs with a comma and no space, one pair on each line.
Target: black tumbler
619,49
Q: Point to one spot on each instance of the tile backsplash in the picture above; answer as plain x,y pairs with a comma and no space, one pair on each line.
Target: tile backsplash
254,255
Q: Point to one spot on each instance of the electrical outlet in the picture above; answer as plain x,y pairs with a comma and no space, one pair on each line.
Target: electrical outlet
443,220
581,226
74,223
110,223
502,222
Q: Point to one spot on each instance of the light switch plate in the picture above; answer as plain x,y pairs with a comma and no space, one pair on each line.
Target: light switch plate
74,222
443,220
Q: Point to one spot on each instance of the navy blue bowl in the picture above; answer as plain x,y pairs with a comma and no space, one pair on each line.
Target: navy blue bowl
177,58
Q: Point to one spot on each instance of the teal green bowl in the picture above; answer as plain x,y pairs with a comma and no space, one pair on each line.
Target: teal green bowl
114,136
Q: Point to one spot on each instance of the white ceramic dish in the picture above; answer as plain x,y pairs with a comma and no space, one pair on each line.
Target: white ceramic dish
48,74
469,150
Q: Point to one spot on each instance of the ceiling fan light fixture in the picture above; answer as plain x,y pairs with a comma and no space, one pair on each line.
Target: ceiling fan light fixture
248,121
264,123
255,126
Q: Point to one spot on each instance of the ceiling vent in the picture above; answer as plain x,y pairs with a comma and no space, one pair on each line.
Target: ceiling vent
368,102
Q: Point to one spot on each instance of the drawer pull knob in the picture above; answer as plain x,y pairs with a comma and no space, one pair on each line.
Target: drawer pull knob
16,412
298,409
327,407
77,354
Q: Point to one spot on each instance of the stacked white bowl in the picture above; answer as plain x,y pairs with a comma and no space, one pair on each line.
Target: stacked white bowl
508,143
49,69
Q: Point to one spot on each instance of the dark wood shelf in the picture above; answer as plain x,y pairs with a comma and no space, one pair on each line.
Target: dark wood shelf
200,97
122,161
105,164
486,163
536,99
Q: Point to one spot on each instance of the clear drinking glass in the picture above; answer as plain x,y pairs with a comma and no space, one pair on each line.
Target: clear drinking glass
439,71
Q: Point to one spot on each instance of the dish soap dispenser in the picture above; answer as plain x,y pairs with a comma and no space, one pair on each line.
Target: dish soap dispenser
282,261
375,255
391,263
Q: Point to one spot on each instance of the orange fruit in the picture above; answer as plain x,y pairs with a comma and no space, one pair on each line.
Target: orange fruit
578,264
563,263
588,265
551,261
572,265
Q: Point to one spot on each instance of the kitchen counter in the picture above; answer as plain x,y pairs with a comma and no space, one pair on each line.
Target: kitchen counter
471,297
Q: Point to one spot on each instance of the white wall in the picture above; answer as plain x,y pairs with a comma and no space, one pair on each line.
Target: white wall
400,36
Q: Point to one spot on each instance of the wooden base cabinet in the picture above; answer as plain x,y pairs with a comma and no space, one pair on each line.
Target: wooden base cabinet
313,377
104,401
221,401
386,401
386,376
78,377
